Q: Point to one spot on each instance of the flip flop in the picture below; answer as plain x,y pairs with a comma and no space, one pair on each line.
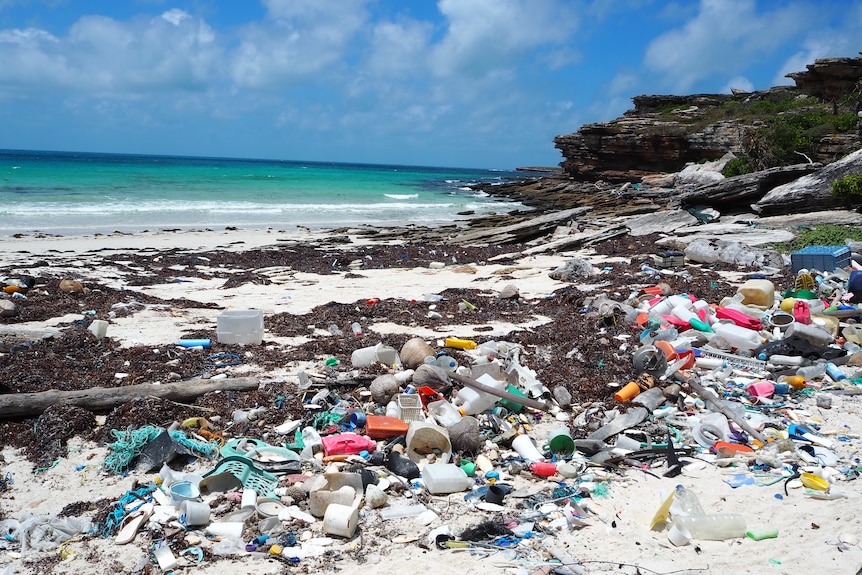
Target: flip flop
132,523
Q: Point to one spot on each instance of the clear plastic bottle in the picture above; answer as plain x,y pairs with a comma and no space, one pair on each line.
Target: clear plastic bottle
716,527
685,502
812,372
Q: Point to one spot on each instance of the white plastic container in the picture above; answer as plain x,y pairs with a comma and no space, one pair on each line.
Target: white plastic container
425,438
812,333
442,478
666,305
444,413
472,401
737,336
240,326
758,293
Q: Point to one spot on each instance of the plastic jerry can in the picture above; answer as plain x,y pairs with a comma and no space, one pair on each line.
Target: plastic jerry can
444,412
346,444
758,292
442,478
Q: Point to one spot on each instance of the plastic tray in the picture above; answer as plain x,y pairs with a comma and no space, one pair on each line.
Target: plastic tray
820,258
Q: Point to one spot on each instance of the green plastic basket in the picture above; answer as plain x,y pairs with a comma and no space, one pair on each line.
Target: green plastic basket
250,476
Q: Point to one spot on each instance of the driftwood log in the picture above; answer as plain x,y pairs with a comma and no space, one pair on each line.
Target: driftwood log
101,398
521,232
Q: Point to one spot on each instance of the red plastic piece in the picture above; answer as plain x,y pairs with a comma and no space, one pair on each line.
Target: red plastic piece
383,427
801,312
676,322
543,469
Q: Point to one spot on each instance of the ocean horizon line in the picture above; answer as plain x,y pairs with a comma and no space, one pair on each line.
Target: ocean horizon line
72,153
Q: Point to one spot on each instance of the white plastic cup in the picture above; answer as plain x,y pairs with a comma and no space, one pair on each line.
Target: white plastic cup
196,513
249,498
341,520
525,447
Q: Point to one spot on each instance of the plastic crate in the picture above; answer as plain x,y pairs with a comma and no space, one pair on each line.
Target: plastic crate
820,258
669,259
250,476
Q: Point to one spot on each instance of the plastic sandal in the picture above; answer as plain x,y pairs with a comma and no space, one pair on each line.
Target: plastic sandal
132,523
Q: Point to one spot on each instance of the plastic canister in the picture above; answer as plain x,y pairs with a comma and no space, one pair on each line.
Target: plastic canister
737,336
347,444
472,401
758,292
441,478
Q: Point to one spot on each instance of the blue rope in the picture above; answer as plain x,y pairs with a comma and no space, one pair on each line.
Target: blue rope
131,443
115,517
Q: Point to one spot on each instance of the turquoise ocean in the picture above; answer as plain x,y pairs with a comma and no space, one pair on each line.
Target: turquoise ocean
68,193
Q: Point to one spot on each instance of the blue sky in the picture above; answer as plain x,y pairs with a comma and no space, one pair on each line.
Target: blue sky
463,83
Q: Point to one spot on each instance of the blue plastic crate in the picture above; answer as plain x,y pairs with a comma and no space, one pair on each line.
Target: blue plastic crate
820,258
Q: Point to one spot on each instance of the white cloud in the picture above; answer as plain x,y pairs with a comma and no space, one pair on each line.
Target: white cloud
108,57
739,83
725,37
299,39
490,34
622,84
399,48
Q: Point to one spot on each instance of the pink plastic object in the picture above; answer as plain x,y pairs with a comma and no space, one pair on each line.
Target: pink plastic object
738,318
346,444
761,389
801,312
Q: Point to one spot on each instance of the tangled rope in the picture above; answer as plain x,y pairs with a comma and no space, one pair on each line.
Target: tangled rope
116,515
130,443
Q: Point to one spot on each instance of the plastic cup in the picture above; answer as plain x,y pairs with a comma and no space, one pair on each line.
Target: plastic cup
249,498
628,392
341,520
196,513
560,442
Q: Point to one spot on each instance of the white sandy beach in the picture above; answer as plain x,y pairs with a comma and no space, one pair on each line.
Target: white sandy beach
815,534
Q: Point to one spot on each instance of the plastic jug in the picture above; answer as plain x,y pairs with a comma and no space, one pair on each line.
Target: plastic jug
472,401
739,337
758,293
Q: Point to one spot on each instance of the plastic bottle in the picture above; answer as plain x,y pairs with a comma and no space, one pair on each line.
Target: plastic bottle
447,362
356,328
834,372
716,527
685,502
459,343
812,372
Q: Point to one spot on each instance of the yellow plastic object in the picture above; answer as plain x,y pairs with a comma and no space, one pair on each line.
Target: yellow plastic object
787,304
804,282
456,343
663,514
812,481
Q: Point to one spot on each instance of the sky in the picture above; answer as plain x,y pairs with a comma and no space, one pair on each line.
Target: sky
455,83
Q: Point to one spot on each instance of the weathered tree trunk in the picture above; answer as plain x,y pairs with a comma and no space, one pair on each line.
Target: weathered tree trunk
100,398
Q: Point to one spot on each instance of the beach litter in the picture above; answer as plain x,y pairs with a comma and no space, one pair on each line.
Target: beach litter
460,442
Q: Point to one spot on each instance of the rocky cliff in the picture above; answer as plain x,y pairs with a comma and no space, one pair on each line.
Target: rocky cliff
664,133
